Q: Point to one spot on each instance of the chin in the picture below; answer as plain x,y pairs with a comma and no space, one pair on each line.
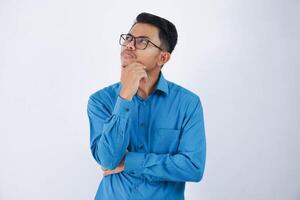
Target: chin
126,61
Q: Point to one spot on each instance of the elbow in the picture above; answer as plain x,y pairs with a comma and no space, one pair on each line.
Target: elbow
110,164
107,163
198,169
197,177
104,160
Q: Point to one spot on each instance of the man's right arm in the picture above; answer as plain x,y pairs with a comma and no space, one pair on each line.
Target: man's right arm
109,132
109,136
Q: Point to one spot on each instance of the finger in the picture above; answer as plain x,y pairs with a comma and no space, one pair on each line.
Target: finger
115,171
130,64
143,74
139,71
135,65
105,174
108,172
104,169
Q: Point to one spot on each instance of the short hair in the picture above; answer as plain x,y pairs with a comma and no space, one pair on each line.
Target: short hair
167,30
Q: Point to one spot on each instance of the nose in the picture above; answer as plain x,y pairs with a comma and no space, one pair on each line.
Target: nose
130,45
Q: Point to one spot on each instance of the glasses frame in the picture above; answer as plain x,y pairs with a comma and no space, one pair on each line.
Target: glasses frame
134,41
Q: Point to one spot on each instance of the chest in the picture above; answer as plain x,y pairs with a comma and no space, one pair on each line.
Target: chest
155,127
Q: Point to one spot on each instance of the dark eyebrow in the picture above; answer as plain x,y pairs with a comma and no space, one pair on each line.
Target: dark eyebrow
142,36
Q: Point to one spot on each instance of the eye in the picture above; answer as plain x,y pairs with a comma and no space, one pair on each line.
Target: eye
143,41
128,37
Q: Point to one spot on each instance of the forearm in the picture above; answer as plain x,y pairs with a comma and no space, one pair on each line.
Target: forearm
110,147
109,137
180,167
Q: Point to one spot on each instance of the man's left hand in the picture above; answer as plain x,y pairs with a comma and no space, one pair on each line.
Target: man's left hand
118,169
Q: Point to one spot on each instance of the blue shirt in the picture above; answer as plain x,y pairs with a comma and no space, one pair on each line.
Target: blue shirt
163,138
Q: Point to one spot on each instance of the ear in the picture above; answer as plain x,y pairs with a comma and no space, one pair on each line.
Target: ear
164,58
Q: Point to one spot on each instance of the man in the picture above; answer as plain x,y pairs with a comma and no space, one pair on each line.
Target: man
146,133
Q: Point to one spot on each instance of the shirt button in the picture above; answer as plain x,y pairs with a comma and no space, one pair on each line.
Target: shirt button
126,109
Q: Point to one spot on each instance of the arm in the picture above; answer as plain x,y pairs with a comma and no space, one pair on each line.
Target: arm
109,136
187,165
109,132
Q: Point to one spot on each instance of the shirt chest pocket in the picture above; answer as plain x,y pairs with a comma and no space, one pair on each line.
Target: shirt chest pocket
165,141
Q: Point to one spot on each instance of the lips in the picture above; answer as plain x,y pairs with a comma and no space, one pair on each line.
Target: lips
128,55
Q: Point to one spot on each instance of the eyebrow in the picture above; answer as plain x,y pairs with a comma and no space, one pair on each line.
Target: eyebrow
142,36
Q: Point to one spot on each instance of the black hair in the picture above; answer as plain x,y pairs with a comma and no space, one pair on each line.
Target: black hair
167,30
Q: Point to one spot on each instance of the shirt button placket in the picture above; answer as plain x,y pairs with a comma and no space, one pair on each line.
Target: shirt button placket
141,126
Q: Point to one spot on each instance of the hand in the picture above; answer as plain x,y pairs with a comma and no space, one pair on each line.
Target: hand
118,169
131,76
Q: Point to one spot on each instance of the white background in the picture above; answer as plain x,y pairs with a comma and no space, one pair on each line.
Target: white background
241,58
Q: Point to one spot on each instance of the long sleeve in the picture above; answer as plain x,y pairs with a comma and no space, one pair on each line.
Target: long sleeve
186,165
109,135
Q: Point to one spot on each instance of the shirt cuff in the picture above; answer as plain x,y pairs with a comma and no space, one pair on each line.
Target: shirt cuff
123,107
134,162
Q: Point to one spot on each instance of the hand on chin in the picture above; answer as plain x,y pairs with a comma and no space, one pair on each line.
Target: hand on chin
127,61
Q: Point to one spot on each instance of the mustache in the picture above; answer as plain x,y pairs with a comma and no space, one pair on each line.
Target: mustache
128,53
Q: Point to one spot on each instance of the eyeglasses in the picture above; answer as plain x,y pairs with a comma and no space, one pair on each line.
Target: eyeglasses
139,42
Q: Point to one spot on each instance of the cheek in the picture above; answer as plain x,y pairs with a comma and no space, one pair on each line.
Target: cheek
149,61
149,58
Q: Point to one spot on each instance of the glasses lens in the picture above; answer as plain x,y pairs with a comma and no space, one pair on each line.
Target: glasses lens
125,39
141,43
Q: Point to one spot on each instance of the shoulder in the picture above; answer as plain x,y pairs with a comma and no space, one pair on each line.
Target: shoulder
186,95
188,102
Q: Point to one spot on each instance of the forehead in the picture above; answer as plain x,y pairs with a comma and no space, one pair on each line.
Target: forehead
143,29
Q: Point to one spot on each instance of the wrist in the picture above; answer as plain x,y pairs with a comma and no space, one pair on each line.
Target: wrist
125,96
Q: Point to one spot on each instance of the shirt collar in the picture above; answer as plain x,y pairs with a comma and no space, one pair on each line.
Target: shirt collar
162,84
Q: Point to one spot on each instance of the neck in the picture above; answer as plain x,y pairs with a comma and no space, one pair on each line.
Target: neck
147,87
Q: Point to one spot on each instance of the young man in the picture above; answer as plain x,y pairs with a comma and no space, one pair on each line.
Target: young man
147,133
